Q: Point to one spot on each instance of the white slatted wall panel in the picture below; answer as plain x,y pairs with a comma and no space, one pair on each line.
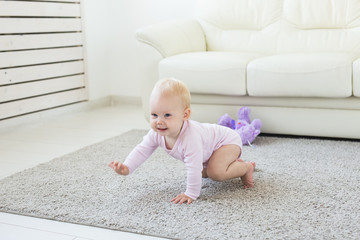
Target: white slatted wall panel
41,56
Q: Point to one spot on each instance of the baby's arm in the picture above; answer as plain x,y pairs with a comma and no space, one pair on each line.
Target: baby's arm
193,162
119,168
137,156
192,190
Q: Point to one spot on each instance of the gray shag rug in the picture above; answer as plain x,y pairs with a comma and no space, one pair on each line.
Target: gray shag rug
304,189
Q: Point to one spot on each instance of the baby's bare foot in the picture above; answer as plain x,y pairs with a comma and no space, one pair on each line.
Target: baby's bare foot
247,179
253,163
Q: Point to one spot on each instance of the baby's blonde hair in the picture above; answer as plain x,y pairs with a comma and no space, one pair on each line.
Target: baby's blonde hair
173,87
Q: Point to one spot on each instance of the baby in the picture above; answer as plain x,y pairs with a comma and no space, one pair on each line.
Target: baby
207,150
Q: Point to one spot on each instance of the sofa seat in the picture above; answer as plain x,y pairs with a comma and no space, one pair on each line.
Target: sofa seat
280,75
201,71
301,75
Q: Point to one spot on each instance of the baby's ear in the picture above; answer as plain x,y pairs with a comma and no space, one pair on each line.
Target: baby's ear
187,114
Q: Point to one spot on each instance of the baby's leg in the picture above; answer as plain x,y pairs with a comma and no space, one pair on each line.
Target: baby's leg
224,165
253,163
247,179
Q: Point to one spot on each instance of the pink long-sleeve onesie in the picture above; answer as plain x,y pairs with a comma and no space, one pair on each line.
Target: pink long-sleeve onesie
194,146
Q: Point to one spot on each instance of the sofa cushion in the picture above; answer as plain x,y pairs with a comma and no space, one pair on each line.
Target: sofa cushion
240,25
320,26
239,14
301,75
201,71
280,26
305,14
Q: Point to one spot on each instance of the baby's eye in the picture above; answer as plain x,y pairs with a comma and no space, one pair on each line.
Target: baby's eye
167,115
154,115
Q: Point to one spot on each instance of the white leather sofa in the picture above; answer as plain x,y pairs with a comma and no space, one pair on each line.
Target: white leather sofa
295,63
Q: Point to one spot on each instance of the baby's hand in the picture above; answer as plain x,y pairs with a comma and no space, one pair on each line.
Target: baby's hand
119,168
181,198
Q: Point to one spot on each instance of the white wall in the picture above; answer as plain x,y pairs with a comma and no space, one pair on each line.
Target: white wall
95,20
110,26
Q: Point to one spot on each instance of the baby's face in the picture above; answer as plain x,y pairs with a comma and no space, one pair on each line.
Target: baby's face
167,115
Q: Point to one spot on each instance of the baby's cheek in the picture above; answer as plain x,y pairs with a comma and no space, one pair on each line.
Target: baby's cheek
152,125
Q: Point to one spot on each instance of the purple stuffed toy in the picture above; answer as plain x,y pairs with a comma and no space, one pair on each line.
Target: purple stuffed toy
247,130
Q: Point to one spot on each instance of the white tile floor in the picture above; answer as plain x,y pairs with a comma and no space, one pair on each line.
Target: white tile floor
28,145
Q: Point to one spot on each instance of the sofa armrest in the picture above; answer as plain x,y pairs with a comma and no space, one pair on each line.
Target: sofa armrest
170,38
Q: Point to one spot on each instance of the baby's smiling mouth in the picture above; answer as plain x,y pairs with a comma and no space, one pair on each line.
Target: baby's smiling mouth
162,129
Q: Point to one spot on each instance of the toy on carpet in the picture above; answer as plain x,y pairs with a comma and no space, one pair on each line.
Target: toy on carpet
247,130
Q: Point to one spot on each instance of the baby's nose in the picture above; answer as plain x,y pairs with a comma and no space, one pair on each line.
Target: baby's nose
160,122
